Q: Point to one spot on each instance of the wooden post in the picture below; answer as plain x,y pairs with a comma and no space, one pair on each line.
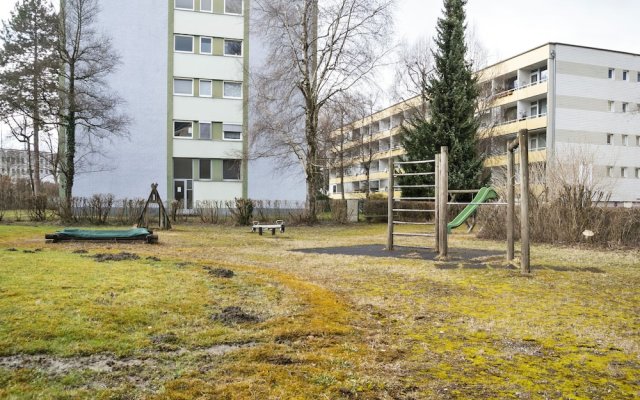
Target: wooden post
523,139
436,196
510,203
443,191
390,194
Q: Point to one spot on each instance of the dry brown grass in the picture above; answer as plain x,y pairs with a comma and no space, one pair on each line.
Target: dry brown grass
331,326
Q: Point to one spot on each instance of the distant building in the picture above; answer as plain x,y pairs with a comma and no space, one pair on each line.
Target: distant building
15,164
184,76
572,99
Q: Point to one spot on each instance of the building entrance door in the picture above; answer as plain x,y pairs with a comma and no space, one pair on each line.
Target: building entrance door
183,191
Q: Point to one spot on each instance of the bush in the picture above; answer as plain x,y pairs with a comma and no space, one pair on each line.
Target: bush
242,212
339,212
210,211
129,210
37,207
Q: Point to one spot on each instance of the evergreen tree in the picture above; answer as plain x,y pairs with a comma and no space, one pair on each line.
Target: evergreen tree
453,92
28,73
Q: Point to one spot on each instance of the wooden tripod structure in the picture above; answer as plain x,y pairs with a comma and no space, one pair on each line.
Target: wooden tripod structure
163,218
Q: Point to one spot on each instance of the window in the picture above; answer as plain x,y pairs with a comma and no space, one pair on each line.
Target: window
205,45
625,140
184,4
637,140
233,6
623,172
183,87
205,130
544,74
183,44
638,76
231,170
205,88
534,77
610,138
205,5
612,106
625,75
612,73
625,106
538,141
205,169
637,173
233,47
182,168
232,132
233,90
534,109
182,129
610,172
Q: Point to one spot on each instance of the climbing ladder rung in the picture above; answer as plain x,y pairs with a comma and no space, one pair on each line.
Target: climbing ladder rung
414,186
414,162
414,234
416,174
416,198
409,210
413,223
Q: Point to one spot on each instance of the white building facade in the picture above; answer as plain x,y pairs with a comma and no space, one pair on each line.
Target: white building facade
579,104
184,76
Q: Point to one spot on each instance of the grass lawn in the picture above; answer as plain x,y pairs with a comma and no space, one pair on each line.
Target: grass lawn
172,324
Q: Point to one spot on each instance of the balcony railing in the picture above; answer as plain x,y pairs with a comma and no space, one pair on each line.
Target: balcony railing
511,121
508,92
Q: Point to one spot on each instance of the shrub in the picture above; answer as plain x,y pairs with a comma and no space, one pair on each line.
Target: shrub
210,211
339,212
241,210
37,207
99,208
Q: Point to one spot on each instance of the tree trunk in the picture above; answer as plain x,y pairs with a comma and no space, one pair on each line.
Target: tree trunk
36,113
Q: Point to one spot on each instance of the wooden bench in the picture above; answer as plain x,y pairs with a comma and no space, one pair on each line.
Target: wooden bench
257,226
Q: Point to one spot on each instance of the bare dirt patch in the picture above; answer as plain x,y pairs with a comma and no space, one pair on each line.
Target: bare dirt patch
123,256
220,272
234,315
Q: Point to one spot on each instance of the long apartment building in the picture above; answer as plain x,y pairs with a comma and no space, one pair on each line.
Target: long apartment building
580,104
14,163
184,76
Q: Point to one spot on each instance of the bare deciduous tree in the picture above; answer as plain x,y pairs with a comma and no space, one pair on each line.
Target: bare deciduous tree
88,107
315,51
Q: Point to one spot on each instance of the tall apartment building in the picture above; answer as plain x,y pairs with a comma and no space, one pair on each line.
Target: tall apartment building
574,100
184,76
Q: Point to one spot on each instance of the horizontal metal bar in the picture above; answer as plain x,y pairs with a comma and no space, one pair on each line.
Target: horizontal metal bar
415,198
414,162
456,203
414,234
413,223
414,186
409,210
464,191
416,174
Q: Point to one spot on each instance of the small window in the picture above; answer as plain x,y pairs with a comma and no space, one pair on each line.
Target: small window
625,140
205,45
183,129
625,75
233,90
610,138
182,168
231,170
205,130
637,173
624,172
233,47
205,169
638,77
232,132
184,4
625,106
233,7
205,88
610,172
183,87
205,5
183,44
612,73
612,106
638,140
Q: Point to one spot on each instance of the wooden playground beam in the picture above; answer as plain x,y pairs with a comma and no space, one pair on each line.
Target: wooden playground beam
523,138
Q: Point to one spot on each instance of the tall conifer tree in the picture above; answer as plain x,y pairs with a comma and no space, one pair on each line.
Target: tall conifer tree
28,72
453,92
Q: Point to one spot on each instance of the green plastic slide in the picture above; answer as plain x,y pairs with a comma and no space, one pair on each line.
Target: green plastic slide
486,193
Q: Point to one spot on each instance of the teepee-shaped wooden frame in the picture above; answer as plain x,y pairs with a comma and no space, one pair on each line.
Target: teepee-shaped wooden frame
163,218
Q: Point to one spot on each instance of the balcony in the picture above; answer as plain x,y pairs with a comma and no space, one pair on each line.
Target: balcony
538,155
519,93
533,122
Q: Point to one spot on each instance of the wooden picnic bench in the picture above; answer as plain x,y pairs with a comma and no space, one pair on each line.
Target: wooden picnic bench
258,227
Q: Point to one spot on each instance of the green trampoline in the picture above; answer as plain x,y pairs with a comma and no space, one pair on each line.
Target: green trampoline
128,235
